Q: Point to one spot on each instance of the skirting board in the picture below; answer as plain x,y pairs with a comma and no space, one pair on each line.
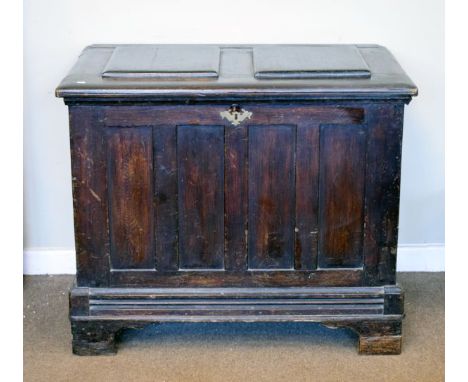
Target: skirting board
53,261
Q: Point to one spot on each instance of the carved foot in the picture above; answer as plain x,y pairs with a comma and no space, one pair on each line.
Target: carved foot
94,338
375,337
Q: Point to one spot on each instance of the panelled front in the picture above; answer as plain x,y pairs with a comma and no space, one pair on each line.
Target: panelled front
195,201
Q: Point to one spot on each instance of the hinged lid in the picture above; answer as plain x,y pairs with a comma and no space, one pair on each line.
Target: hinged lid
227,72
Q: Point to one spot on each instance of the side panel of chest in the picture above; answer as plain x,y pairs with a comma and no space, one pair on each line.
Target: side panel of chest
293,196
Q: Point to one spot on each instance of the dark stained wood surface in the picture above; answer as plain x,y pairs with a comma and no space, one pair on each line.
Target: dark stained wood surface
166,197
262,114
217,278
236,197
211,197
221,199
385,124
342,180
90,200
131,213
236,77
200,155
271,196
307,198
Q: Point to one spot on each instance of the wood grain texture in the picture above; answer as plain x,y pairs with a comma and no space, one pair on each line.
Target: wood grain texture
236,197
267,278
307,196
166,191
379,345
131,213
200,159
262,114
271,196
90,201
385,124
342,180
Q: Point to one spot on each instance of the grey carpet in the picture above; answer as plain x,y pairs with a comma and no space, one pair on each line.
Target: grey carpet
233,352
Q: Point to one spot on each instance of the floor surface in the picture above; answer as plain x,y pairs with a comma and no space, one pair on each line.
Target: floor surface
233,352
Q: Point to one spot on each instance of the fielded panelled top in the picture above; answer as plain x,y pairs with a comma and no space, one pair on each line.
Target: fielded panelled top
223,71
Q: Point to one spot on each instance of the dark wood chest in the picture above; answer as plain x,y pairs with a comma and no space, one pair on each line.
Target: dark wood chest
236,183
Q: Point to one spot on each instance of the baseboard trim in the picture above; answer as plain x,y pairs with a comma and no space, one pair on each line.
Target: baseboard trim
53,261
421,258
49,261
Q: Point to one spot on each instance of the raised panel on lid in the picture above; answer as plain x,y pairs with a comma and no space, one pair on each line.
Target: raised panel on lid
309,62
163,62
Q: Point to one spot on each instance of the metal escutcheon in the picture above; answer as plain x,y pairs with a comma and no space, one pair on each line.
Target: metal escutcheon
235,114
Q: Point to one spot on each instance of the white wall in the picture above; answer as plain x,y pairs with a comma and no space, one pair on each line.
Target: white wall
57,30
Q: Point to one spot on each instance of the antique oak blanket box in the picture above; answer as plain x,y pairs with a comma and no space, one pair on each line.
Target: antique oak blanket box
236,183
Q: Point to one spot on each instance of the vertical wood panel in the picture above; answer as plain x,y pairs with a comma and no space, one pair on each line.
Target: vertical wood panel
382,192
201,196
342,179
271,196
307,169
236,198
165,181
90,202
131,197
